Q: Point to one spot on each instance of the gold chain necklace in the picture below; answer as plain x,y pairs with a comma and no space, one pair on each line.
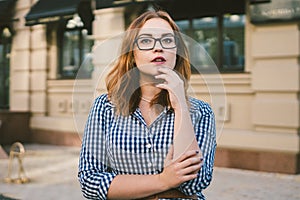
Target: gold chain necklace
144,99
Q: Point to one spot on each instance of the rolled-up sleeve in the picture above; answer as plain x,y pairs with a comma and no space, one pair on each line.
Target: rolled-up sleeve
205,131
94,174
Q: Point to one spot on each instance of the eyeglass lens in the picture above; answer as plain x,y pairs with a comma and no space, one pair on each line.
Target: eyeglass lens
148,43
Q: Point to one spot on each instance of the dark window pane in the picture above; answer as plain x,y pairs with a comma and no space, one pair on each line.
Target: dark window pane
86,67
203,43
75,45
207,32
70,53
233,42
5,48
183,25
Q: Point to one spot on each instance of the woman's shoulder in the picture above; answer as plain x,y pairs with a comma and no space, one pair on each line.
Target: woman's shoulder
197,105
102,98
103,101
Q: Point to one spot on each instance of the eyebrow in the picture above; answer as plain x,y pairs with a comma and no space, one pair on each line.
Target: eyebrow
150,35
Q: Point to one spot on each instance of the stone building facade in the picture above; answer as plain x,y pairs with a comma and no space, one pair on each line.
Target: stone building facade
261,116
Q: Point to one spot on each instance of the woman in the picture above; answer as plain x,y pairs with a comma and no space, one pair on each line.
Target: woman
146,137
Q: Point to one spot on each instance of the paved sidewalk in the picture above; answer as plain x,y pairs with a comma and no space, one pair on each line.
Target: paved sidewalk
52,171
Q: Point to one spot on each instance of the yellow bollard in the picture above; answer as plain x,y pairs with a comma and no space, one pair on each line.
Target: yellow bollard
17,150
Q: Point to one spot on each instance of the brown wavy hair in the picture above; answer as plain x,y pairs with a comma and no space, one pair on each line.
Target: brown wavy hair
122,82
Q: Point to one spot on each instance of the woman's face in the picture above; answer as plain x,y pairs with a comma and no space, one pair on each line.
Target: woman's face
163,53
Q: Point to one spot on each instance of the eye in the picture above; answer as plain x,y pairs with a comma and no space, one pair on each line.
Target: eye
145,40
168,40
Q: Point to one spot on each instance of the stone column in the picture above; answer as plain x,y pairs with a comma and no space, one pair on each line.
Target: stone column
38,70
28,65
20,61
108,26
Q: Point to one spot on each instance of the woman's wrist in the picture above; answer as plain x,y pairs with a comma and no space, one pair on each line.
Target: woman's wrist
162,183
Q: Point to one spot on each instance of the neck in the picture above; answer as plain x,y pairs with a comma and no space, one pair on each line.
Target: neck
148,88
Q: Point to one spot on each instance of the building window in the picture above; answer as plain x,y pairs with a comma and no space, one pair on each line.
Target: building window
5,48
210,33
75,44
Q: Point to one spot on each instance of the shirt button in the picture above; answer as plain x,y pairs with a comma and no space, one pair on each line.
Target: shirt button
148,146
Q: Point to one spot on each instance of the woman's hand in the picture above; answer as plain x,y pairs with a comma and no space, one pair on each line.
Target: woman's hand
183,169
174,85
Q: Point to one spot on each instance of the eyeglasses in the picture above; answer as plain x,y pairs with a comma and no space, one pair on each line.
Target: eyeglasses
148,43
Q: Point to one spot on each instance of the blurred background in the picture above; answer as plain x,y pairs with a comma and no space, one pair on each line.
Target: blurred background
47,53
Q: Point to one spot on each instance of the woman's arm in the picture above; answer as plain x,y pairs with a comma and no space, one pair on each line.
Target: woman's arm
205,132
94,175
184,135
140,186
135,186
187,135
98,182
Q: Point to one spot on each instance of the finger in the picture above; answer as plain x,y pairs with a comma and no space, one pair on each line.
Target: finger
162,76
189,177
193,169
172,72
163,86
188,154
173,75
169,74
190,162
197,170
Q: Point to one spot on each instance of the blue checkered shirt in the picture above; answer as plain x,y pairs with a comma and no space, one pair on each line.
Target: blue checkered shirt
114,144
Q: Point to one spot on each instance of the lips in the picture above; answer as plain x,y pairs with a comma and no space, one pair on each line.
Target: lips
159,59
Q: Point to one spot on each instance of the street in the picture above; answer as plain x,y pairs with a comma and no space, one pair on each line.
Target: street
52,171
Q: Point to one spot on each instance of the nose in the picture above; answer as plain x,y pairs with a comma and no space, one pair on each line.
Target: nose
157,46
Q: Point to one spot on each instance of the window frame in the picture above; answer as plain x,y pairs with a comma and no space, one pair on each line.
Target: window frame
220,43
61,49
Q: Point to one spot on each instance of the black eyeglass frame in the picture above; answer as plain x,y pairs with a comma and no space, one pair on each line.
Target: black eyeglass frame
155,40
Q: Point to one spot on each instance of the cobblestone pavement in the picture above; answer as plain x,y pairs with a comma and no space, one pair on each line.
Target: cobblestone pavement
52,171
